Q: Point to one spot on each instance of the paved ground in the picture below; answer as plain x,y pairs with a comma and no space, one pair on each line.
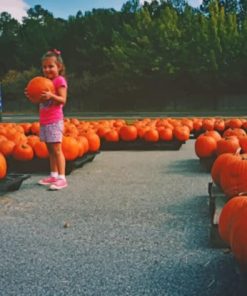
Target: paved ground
137,224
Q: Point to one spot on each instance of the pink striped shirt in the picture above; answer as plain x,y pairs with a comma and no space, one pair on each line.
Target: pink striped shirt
50,111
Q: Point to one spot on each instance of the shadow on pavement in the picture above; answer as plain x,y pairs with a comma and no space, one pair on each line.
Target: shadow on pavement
190,166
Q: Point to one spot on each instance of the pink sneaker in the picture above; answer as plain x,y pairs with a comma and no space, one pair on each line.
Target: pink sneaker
59,184
47,181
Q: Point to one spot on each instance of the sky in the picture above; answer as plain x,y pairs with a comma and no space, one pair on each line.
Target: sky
64,8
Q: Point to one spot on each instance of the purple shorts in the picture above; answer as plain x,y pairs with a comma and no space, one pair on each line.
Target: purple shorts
52,132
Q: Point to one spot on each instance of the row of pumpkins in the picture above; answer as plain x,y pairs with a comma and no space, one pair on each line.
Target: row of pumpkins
229,172
21,140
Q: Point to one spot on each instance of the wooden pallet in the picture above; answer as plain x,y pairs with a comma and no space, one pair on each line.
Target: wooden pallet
141,144
12,182
37,165
217,200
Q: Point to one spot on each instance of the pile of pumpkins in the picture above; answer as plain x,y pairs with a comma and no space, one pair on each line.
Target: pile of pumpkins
228,147
21,141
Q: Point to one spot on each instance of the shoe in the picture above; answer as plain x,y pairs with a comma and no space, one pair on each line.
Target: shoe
47,181
59,184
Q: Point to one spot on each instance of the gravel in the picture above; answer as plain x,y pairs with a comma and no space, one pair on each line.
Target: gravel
130,223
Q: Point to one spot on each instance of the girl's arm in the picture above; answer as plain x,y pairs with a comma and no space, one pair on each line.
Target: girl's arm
60,97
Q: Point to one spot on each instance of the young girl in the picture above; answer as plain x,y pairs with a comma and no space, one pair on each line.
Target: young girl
51,119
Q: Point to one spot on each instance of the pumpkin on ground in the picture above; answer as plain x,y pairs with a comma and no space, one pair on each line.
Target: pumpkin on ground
36,86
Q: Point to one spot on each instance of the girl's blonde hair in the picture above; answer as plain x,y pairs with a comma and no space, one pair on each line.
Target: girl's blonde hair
57,54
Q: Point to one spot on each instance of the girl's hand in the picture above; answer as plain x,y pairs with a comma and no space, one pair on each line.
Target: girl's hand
25,93
46,95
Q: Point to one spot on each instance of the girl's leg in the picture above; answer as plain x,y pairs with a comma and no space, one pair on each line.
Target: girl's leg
60,162
52,158
53,167
59,158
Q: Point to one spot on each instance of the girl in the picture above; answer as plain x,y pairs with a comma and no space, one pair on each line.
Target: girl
51,119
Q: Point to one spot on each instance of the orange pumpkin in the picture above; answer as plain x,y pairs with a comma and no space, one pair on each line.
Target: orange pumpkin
7,147
112,136
238,237
205,146
35,127
85,143
181,133
36,86
227,145
243,144
213,134
228,216
219,125
93,141
32,139
152,135
219,164
166,134
70,148
23,152
208,124
128,133
233,176
235,123
40,149
238,132
3,166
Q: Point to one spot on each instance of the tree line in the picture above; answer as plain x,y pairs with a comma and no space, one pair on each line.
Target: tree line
143,57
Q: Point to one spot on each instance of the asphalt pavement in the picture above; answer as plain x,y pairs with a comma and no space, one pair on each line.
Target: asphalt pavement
130,223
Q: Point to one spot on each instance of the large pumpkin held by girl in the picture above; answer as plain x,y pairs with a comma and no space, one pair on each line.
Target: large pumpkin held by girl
36,86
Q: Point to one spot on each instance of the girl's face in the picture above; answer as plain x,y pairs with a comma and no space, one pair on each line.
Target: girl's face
50,67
